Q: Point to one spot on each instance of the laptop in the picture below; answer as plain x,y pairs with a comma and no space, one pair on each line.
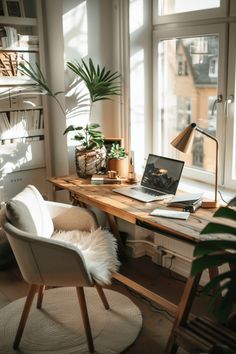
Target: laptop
159,181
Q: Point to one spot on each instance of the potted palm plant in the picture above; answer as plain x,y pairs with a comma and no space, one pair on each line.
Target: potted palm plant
117,160
102,84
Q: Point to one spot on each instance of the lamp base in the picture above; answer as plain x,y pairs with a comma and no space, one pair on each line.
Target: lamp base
210,204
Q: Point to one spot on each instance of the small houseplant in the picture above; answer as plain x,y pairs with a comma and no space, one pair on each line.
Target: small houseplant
117,160
211,253
101,85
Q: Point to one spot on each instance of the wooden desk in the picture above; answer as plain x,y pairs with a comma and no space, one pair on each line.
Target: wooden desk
135,212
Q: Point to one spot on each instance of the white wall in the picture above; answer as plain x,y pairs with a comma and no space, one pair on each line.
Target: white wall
88,32
76,29
54,62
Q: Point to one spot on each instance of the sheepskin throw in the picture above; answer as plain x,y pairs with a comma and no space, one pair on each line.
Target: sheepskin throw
99,250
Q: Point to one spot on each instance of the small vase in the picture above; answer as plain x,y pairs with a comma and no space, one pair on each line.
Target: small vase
89,162
119,165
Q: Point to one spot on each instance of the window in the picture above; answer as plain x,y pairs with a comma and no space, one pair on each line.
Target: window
180,113
179,6
194,65
196,88
188,111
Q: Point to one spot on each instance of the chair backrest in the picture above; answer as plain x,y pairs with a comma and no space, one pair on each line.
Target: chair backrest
28,226
46,261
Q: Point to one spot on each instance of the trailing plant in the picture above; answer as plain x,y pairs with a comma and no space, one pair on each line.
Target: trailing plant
88,137
213,253
117,152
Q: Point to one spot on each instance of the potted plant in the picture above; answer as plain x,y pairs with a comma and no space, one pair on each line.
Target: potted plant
101,85
211,253
90,153
117,160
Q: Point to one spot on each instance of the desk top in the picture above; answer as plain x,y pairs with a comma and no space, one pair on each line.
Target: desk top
133,211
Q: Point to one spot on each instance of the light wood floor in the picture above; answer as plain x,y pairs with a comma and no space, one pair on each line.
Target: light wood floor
156,322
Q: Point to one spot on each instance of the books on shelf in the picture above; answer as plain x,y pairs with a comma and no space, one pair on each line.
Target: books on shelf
19,124
104,179
25,98
9,38
4,97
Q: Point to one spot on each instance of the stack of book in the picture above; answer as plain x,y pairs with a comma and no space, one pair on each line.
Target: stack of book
28,41
188,202
104,179
8,37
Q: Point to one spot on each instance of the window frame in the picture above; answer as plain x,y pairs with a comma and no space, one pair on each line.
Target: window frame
165,33
212,13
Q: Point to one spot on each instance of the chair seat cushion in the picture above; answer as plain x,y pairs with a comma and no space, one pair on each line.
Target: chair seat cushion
99,250
28,212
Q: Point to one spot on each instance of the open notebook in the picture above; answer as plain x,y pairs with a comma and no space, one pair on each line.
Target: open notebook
160,180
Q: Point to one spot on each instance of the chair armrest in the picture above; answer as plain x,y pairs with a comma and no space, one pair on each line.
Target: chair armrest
69,217
46,261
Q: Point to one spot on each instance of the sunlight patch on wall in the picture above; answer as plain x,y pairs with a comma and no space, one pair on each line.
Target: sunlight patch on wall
135,22
137,96
75,28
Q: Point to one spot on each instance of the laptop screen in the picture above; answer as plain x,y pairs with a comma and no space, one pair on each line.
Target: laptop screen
162,173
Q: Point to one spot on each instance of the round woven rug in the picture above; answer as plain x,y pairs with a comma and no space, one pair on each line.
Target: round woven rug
58,328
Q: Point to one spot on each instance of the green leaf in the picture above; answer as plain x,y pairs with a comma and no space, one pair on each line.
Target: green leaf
93,126
213,283
226,212
69,129
208,246
232,202
206,262
218,228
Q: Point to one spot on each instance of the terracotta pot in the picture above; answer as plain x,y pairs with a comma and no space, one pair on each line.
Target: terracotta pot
89,162
119,165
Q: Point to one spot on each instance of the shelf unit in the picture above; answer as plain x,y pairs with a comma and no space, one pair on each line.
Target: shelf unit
24,147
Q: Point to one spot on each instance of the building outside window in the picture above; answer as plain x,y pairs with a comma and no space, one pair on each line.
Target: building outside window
205,48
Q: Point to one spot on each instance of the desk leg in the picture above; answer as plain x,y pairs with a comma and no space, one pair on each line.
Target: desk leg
115,230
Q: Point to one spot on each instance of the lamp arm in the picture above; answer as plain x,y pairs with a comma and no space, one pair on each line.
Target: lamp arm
217,158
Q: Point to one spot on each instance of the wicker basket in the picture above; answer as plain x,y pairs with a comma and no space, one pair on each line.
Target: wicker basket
89,162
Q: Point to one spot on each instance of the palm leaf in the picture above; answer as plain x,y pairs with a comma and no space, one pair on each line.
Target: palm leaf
220,305
218,228
100,83
37,76
206,247
208,261
225,212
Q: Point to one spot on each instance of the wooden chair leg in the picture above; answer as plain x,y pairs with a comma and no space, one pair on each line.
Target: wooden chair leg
84,313
102,296
24,316
40,296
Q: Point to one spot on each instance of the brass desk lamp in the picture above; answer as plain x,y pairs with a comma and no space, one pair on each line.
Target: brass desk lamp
183,143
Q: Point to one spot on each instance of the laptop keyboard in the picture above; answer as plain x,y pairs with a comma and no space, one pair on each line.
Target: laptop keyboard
147,191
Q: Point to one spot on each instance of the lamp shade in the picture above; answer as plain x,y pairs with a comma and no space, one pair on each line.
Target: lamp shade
184,140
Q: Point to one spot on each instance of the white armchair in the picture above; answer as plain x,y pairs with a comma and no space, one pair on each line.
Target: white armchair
29,221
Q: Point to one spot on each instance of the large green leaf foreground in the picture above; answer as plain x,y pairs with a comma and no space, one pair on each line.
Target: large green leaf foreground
213,253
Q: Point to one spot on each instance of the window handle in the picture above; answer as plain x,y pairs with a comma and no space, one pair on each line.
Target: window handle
228,101
219,99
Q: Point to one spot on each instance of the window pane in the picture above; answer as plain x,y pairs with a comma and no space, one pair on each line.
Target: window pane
187,89
177,6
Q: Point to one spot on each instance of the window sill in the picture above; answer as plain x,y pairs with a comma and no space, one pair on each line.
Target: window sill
192,186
